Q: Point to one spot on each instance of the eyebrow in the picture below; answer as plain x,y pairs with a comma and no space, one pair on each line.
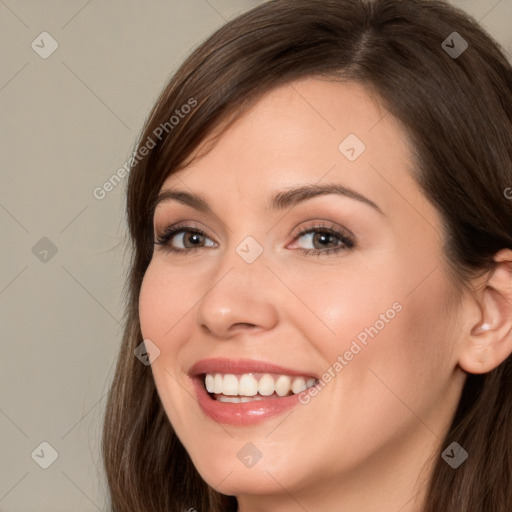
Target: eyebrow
279,201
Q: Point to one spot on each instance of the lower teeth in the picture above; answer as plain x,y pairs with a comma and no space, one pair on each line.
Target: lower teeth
238,399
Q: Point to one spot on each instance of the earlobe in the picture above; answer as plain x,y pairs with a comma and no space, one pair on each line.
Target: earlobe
489,340
482,328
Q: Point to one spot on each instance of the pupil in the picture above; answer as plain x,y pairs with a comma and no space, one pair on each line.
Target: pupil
323,237
193,236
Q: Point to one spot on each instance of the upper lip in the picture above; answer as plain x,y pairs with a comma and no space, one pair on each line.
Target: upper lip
224,365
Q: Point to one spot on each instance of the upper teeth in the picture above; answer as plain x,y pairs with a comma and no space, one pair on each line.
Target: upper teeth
250,385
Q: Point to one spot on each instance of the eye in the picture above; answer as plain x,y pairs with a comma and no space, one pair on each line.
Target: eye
183,239
324,239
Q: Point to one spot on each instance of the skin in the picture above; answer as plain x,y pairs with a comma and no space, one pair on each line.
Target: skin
365,441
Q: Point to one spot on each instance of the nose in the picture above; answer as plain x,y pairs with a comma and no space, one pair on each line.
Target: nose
239,296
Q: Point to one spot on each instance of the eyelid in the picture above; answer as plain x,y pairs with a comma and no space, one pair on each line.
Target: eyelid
345,237
319,224
177,227
323,224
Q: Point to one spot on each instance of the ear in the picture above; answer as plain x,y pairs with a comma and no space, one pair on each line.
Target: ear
488,341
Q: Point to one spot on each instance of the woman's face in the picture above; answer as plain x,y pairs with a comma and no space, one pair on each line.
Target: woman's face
346,288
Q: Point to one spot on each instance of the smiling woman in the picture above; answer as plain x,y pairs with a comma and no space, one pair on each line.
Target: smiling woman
340,180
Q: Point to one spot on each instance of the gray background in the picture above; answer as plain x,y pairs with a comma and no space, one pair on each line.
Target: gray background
68,123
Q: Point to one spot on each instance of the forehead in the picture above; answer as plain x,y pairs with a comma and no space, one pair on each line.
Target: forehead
304,132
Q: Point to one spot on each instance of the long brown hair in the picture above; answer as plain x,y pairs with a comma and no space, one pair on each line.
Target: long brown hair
457,110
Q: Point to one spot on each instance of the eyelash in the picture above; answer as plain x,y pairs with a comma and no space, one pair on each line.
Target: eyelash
163,238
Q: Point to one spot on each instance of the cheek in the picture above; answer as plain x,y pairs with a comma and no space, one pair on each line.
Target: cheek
163,320
377,321
411,358
164,301
151,299
340,304
395,348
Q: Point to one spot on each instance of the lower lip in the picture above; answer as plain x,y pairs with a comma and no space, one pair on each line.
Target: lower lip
243,413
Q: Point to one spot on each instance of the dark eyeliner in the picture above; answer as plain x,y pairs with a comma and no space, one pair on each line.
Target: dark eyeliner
347,241
164,236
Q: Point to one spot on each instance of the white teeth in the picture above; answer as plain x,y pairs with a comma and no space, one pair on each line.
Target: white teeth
266,385
234,399
230,385
247,387
209,382
250,398
238,399
218,383
298,385
283,384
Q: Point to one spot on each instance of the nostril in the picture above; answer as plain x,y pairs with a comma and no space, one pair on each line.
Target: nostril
243,324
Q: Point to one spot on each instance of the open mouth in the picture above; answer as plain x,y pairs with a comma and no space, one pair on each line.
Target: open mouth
248,387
